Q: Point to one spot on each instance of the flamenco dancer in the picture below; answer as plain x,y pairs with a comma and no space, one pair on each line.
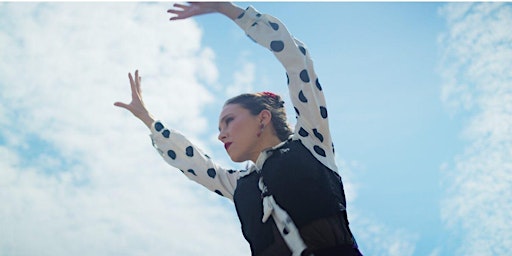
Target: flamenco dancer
290,201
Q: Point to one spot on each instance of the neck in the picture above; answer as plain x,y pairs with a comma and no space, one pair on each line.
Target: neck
266,142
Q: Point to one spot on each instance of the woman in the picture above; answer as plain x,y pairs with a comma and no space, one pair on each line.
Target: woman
291,200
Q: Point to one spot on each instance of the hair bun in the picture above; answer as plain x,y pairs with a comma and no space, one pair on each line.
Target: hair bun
274,99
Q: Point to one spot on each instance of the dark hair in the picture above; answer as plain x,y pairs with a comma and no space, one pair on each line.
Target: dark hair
256,102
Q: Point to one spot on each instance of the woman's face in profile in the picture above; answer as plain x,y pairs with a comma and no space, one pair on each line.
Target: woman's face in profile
238,130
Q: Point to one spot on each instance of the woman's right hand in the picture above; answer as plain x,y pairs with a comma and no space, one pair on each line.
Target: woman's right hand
136,106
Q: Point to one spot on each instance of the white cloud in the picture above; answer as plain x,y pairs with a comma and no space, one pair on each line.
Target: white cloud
436,252
242,80
373,236
79,176
477,64
376,238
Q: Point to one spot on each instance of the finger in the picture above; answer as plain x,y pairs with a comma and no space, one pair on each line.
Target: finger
138,80
121,105
182,12
181,6
137,76
139,83
179,16
133,87
181,9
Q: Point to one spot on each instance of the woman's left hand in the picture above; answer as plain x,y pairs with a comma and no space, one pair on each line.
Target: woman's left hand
193,9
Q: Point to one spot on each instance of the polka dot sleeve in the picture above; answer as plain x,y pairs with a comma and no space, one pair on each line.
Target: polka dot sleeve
306,94
179,152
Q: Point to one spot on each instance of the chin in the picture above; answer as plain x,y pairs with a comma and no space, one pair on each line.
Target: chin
238,159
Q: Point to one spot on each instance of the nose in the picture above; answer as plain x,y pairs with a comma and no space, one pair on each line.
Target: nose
222,135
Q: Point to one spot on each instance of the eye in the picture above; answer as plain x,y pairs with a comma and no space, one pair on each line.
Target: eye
228,120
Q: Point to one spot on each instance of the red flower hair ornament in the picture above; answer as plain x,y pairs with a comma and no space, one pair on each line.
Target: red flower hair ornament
270,94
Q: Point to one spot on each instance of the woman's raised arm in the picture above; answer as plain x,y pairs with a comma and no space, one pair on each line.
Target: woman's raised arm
177,150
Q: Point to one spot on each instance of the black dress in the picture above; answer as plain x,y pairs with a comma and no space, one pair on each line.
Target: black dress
300,174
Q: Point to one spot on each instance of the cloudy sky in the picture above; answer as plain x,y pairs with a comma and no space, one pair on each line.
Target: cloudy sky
420,99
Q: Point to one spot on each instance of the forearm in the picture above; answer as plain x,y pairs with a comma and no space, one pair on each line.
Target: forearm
306,93
147,119
181,153
230,10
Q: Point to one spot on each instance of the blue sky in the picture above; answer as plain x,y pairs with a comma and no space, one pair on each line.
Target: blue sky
419,97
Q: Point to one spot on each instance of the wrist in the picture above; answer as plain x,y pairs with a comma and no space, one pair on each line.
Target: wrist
147,119
230,10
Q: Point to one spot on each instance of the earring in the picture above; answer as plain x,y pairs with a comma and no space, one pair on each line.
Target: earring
262,126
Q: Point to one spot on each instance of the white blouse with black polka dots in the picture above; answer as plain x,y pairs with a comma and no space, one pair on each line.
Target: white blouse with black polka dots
306,94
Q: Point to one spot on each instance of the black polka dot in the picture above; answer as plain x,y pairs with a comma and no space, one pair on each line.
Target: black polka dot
303,132
304,76
218,192
302,97
277,46
158,126
182,171
212,173
274,26
323,112
287,79
166,133
241,15
231,171
258,15
333,148
192,171
254,24
171,154
319,150
207,156
285,231
318,135
189,151
318,85
296,111
302,49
